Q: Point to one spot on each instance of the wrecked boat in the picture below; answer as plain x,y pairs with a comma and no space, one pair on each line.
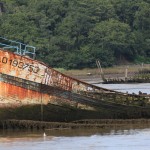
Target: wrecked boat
30,89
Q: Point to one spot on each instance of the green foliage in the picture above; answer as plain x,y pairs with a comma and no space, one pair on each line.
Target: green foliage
74,33
142,59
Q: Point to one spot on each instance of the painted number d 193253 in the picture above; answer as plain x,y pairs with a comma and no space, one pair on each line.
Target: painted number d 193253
20,64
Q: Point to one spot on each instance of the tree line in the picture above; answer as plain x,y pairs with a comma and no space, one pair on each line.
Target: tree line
75,33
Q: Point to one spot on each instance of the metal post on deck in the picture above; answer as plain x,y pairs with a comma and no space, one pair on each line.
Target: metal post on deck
142,66
41,103
100,69
126,73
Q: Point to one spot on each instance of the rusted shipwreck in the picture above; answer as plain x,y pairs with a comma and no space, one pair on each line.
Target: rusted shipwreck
30,89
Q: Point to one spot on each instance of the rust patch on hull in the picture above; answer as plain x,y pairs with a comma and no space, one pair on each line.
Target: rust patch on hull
16,96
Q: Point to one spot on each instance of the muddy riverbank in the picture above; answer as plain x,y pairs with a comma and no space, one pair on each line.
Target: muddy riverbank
115,72
79,124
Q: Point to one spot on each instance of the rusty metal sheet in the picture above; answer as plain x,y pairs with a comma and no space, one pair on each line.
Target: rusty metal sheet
21,67
29,69
14,95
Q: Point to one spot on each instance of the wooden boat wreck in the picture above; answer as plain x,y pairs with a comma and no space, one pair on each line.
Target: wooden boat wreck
30,89
141,76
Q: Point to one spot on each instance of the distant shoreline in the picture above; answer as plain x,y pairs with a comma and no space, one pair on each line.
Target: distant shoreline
93,76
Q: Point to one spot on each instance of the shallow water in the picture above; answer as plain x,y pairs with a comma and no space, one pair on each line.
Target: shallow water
130,88
125,139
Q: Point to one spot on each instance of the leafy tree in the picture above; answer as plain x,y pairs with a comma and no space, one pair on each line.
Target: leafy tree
74,33
113,36
142,26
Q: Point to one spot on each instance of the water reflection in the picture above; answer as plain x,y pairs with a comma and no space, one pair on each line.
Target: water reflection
85,139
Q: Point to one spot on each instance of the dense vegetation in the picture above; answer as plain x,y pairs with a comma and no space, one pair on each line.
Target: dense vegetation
74,33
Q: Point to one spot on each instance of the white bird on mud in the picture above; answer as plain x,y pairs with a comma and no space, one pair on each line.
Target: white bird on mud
44,134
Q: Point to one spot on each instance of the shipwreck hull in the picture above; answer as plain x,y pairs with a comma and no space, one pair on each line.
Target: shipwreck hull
29,89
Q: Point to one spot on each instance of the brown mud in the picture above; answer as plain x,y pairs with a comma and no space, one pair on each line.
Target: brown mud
80,124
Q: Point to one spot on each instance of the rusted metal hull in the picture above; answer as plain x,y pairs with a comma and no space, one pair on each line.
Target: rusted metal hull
24,81
27,81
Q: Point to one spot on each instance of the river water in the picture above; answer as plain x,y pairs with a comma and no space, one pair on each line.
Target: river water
130,88
133,138
123,139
